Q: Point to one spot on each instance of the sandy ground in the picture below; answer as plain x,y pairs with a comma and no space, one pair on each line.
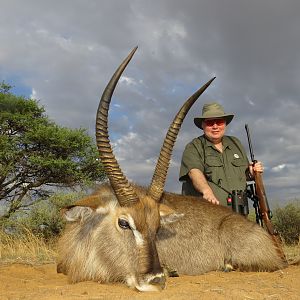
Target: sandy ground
19,281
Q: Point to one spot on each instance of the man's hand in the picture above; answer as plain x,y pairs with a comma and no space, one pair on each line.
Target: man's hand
257,167
210,197
200,184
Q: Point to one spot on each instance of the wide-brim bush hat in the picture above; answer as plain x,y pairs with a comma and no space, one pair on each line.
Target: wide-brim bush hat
213,110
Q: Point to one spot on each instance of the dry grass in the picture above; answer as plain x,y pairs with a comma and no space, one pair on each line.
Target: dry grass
26,248
292,253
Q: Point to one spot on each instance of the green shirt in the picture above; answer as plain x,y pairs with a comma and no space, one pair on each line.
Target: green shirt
224,171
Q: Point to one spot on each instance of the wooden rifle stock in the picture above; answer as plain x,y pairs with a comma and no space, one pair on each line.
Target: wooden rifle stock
265,213
264,209
263,206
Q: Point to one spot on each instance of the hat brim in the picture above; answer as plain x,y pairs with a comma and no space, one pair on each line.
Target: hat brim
198,121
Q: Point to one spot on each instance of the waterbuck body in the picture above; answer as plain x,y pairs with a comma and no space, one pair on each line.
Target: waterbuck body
127,233
210,237
193,237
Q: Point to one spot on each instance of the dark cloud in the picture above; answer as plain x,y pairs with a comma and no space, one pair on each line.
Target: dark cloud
66,51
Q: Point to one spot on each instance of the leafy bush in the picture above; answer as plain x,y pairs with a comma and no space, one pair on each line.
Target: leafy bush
287,221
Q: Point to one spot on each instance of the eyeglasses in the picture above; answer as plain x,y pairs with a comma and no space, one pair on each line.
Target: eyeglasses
212,122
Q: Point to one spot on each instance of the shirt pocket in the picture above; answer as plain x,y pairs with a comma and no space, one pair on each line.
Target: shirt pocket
213,166
238,162
240,165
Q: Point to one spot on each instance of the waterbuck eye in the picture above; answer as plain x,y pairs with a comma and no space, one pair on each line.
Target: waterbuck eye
123,224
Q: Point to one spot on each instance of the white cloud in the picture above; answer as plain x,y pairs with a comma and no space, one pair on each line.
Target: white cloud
128,80
278,168
33,94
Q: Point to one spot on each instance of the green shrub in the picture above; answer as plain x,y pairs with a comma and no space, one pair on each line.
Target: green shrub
252,215
287,221
44,218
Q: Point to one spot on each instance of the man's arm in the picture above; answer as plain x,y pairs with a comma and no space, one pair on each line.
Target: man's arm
200,184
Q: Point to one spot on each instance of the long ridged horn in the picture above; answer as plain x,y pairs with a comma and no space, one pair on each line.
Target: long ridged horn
160,174
123,189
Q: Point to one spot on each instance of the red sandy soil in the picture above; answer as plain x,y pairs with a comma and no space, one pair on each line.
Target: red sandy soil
19,281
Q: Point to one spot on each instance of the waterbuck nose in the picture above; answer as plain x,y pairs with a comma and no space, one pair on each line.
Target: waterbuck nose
159,280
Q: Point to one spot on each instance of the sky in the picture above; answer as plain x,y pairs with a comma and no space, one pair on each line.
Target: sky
63,53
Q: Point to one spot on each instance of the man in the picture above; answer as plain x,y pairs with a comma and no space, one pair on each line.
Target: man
214,164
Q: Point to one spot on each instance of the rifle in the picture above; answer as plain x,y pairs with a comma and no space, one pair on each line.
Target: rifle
261,205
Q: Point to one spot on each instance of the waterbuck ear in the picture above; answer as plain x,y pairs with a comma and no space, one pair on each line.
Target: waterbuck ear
168,215
77,213
93,201
83,208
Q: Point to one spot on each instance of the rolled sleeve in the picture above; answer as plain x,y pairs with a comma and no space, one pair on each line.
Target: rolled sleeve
192,158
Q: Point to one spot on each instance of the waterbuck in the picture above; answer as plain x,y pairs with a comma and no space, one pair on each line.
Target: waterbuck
127,233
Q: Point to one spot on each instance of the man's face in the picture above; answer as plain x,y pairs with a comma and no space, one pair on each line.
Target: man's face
214,129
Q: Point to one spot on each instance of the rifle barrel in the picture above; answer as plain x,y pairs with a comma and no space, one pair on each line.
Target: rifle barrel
249,143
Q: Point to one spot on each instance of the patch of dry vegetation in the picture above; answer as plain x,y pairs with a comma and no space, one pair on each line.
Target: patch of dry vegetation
26,248
292,253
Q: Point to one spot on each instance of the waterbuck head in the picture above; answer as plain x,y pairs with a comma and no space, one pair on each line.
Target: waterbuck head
118,232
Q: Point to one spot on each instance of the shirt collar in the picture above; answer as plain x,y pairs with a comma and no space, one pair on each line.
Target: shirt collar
225,142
